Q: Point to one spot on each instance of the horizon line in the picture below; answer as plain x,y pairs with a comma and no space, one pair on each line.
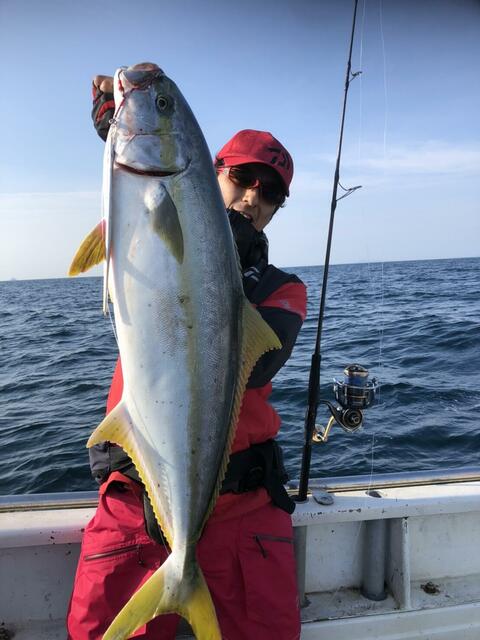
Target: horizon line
306,266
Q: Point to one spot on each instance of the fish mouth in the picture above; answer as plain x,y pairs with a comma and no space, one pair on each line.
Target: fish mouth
154,173
141,76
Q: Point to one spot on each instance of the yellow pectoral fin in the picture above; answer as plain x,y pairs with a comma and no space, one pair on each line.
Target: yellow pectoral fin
91,252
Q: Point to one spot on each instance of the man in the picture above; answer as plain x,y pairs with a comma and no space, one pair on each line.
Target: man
246,549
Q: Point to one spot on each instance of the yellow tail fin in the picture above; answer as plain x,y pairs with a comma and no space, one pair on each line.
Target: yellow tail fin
170,591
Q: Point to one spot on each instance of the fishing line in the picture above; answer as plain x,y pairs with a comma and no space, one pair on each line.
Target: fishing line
373,276
371,281
360,66
384,87
369,266
380,305
379,301
109,313
107,304
382,325
385,130
360,141
372,273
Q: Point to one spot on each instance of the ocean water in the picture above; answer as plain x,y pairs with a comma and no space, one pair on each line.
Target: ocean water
414,325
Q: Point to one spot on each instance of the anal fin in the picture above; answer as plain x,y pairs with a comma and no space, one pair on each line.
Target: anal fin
115,427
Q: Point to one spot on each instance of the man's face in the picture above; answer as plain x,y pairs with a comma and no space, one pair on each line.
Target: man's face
249,201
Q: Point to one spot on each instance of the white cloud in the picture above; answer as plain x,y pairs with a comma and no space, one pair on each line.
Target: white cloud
431,157
428,157
425,165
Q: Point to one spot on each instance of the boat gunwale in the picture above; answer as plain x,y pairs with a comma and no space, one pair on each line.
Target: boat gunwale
89,499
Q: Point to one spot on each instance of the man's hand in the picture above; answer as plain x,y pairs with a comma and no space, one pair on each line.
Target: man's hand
103,104
103,83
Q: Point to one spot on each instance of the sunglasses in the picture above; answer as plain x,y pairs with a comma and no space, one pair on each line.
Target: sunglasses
247,178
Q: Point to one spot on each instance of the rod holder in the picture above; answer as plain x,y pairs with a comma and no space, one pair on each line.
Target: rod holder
374,558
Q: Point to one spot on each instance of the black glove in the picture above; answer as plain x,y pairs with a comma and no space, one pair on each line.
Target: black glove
252,245
102,111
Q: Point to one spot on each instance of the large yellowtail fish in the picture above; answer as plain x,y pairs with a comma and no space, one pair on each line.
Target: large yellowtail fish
188,337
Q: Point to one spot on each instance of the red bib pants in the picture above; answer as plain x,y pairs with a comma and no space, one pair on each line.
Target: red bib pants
248,563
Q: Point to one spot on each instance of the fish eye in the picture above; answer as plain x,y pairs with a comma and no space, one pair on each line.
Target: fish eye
163,103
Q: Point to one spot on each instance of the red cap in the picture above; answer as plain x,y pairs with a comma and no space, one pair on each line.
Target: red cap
258,146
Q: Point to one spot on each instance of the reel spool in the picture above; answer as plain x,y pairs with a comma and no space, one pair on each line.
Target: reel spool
356,391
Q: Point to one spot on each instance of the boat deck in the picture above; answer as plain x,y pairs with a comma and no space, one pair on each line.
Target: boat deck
432,564
453,623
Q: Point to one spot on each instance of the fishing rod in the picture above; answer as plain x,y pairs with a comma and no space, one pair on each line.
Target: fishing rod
355,392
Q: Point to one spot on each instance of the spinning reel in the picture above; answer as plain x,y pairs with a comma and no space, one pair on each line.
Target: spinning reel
354,394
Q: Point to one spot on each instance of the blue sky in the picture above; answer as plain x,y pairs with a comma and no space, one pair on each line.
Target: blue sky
412,135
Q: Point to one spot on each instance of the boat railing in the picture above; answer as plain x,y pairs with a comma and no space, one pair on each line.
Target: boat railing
89,499
391,480
47,501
